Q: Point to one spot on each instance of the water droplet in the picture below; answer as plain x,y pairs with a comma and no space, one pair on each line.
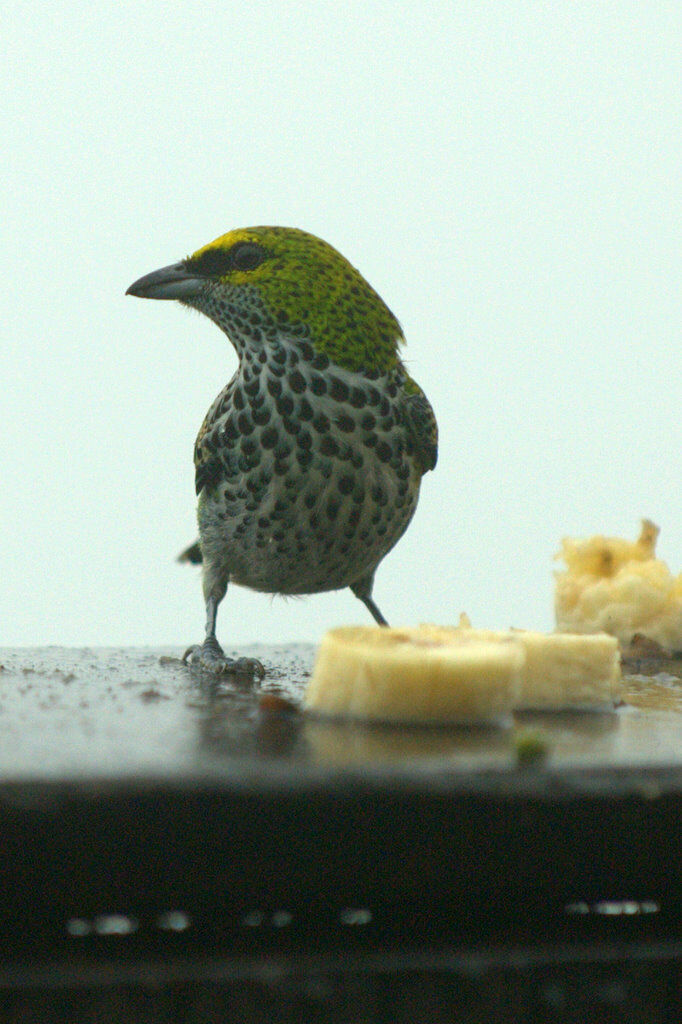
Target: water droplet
253,919
115,924
78,927
174,921
580,907
355,916
281,918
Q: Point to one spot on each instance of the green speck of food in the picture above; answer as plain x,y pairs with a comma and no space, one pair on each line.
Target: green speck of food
530,747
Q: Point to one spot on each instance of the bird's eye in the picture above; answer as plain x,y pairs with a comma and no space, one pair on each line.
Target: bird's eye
247,255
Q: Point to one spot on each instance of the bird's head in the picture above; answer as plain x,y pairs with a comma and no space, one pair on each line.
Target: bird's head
267,281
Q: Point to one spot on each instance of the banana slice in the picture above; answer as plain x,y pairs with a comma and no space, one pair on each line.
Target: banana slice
459,674
414,675
565,670
561,670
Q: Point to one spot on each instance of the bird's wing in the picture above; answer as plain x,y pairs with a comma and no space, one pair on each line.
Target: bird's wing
421,426
213,462
208,468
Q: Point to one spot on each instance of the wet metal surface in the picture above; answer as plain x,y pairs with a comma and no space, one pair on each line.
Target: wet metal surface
120,712
175,850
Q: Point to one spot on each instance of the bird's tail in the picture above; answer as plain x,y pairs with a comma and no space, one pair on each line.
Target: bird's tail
192,554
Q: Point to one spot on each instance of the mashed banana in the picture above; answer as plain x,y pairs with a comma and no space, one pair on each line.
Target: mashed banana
619,587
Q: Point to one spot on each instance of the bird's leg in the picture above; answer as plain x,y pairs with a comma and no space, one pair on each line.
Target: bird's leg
371,606
363,590
210,641
210,657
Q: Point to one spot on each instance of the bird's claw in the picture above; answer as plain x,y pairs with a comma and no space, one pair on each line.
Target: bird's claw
209,657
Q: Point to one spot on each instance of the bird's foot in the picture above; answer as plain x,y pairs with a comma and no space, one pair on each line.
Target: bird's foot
209,657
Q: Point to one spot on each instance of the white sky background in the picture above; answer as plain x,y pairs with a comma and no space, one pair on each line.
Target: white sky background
506,175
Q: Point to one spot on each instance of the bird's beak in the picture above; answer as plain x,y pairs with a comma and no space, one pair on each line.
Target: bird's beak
175,282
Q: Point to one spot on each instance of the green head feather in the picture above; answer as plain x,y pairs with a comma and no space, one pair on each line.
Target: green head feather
301,279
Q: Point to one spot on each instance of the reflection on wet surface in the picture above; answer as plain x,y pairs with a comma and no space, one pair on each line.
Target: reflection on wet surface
347,743
662,692
120,712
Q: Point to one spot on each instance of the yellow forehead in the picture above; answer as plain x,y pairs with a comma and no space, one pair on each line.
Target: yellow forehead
277,240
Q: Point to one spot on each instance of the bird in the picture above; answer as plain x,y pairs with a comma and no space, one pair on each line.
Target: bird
308,463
